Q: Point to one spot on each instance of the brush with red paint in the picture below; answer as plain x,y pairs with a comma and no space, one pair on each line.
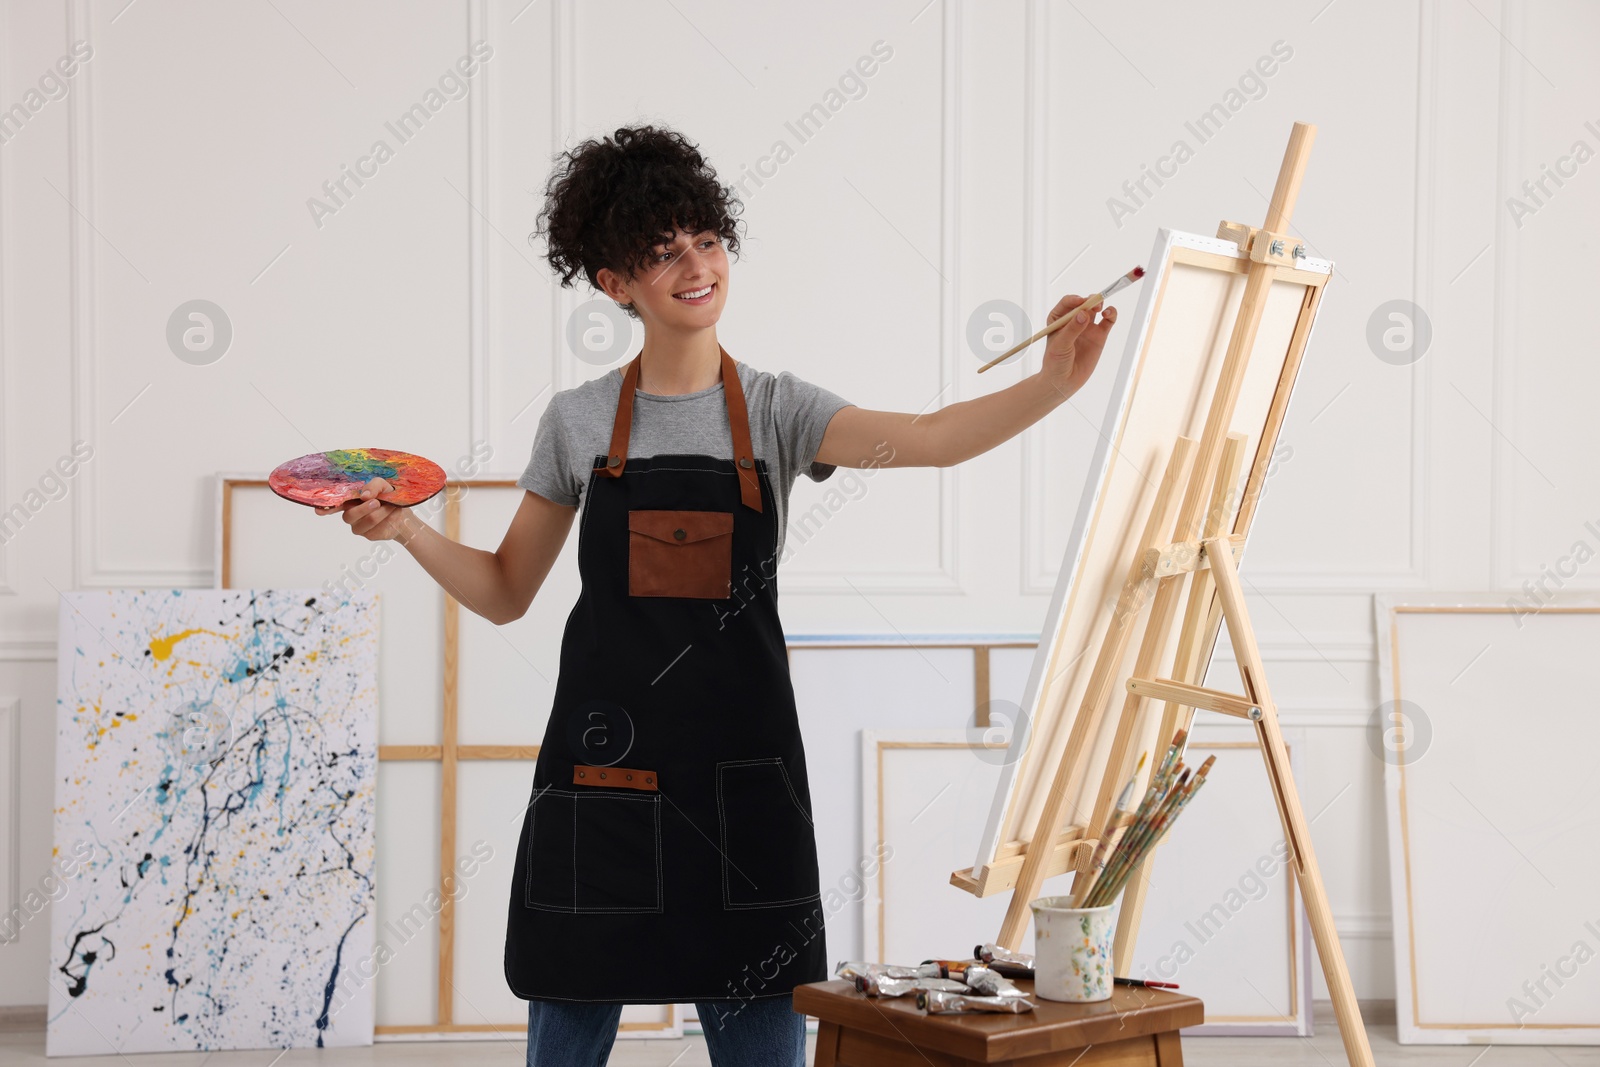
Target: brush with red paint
1090,304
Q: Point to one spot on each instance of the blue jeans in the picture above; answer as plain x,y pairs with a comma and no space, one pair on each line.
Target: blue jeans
764,1031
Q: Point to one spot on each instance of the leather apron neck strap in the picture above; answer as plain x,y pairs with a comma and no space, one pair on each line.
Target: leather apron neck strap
738,421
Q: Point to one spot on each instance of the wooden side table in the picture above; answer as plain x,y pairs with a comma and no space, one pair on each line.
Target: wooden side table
1135,1028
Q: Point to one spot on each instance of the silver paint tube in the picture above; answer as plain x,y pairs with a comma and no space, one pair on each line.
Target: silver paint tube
988,983
989,951
936,1003
850,970
883,986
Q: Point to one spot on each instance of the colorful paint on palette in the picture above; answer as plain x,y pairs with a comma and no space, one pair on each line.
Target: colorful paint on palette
327,479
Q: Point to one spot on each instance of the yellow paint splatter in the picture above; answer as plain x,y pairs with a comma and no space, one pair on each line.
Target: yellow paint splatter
161,647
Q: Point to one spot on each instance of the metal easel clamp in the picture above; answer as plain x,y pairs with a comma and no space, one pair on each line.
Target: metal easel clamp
1277,248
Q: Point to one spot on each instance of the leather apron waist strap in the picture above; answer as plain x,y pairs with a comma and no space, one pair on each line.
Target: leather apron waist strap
738,422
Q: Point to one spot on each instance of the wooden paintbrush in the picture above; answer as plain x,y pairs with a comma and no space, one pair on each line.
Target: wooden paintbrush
1160,778
1105,890
1180,799
1090,304
1117,822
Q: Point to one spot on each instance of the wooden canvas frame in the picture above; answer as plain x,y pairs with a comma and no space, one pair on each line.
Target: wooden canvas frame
223,575
876,905
1474,909
1298,1022
874,743
449,754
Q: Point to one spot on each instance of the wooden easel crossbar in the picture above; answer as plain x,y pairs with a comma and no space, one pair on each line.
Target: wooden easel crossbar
1193,531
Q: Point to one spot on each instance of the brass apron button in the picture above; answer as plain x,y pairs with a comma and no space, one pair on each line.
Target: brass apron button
679,534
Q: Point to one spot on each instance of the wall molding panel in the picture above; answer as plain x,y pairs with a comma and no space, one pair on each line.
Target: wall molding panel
10,806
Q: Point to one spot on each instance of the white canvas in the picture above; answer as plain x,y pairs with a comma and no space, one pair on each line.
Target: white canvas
1223,916
1163,390
215,766
923,795
1493,865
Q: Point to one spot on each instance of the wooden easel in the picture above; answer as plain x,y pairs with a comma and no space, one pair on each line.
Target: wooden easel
1194,503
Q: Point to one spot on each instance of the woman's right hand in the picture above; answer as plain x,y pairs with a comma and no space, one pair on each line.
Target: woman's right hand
374,518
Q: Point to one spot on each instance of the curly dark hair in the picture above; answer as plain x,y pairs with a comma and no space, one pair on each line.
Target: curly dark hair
610,200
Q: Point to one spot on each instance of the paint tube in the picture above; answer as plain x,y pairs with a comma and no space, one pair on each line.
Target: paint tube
884,986
988,953
935,1002
989,983
887,970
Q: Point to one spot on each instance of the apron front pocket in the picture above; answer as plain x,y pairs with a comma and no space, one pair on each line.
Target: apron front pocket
593,851
680,553
768,842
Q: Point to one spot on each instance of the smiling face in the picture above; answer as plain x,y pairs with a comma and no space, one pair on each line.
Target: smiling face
683,284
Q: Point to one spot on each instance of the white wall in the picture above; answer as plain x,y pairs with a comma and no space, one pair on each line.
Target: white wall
977,166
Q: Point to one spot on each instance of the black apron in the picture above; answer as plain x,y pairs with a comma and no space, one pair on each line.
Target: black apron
667,854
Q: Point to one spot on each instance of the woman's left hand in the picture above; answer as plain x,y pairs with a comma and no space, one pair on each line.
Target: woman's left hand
1072,351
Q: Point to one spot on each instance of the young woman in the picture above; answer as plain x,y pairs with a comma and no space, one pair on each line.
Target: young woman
667,852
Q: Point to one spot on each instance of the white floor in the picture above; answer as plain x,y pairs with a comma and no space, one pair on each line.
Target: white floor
1323,1050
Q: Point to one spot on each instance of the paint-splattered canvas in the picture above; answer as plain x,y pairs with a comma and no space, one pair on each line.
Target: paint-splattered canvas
216,756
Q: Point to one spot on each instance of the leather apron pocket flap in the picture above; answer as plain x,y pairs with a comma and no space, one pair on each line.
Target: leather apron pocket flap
594,851
680,527
767,858
680,553
615,777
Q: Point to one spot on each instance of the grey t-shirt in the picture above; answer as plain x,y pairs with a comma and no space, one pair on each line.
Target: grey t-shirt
787,418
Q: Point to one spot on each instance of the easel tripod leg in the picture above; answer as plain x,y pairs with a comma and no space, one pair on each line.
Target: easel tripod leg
1295,828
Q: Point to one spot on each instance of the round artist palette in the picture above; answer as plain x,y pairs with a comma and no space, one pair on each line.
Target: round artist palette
327,479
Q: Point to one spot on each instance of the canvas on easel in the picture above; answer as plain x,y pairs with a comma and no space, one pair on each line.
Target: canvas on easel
1211,362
